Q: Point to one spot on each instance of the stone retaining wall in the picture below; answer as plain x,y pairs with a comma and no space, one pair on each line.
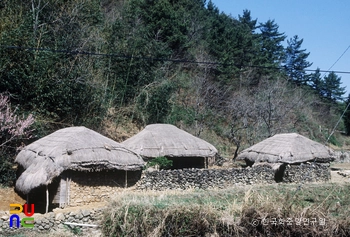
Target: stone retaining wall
306,173
55,222
221,178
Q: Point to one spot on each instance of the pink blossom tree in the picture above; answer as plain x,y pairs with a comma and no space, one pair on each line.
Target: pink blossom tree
13,129
12,126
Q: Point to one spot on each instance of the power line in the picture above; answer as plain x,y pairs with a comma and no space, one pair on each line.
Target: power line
76,52
337,60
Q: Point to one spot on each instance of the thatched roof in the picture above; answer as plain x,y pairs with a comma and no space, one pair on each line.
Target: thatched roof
75,148
167,140
287,148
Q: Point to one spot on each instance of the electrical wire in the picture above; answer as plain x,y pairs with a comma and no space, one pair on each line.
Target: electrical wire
76,52
337,60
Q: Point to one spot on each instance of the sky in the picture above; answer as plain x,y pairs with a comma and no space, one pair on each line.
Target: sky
324,25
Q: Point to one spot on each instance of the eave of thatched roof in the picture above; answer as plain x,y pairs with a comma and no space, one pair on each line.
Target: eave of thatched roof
75,148
287,148
167,140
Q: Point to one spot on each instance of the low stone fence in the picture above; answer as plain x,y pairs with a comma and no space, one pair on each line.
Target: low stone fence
204,178
306,173
222,178
57,222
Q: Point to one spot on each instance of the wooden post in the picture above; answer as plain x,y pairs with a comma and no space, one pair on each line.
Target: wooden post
47,199
126,178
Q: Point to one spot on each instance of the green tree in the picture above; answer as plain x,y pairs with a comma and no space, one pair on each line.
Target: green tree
249,49
133,48
296,61
55,85
154,102
316,82
229,42
272,50
332,89
246,40
247,20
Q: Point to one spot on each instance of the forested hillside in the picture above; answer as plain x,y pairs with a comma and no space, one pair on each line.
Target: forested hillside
116,66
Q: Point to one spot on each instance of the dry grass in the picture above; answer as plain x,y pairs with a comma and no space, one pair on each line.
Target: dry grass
236,211
240,211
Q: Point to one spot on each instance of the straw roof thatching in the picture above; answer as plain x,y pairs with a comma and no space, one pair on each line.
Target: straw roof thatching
167,140
75,148
286,148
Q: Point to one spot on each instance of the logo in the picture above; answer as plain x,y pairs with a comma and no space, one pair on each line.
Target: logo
14,210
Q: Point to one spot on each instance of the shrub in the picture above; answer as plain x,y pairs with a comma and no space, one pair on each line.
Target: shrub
161,161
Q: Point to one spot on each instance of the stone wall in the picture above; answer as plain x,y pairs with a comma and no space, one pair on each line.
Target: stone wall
204,178
58,222
86,188
221,178
306,173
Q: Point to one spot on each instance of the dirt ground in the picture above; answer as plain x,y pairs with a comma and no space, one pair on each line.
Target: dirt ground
7,195
336,169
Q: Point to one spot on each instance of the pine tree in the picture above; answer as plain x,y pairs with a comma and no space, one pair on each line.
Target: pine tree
316,81
272,50
246,20
249,53
247,39
295,61
331,87
225,41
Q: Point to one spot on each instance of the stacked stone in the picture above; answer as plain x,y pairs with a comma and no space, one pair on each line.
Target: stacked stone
204,178
313,172
57,221
222,178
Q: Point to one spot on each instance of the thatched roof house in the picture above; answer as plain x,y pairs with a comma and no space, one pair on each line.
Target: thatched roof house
289,148
184,149
71,149
283,149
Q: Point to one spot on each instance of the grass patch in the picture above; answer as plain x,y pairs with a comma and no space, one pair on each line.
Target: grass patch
320,209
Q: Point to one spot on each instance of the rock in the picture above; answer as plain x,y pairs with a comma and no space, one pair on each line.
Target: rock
59,217
85,213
